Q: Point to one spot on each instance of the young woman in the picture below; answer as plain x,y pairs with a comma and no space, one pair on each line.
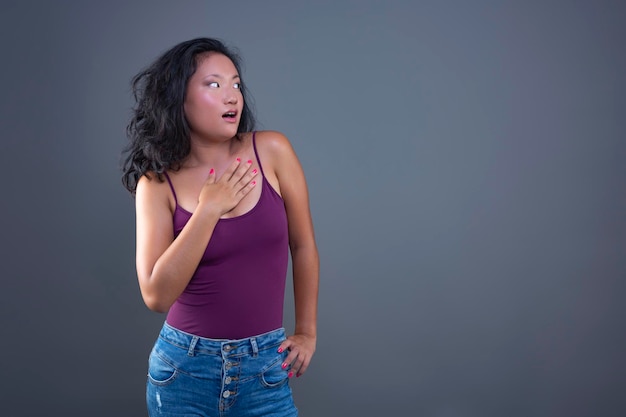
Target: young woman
219,207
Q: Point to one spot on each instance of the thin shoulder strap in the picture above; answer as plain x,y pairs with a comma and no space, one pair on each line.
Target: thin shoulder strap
171,186
256,153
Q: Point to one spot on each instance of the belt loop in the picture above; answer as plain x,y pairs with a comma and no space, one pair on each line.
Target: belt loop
255,348
192,345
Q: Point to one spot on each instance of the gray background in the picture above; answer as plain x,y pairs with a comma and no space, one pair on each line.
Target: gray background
466,171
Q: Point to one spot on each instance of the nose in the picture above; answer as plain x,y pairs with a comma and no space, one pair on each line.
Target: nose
230,97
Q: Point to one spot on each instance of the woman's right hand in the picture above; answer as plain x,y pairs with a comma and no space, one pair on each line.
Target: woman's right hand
224,193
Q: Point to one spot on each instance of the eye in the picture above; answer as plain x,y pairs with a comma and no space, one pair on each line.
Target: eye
213,84
237,86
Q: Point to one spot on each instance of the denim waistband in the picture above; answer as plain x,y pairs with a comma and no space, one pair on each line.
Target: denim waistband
197,345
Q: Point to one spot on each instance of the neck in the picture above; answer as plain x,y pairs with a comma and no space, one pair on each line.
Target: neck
213,153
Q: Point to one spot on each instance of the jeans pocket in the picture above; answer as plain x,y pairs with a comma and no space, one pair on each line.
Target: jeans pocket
273,375
160,370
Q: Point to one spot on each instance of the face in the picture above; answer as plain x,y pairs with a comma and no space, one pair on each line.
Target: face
214,102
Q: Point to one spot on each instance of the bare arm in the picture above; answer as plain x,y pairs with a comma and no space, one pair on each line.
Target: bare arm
165,265
305,259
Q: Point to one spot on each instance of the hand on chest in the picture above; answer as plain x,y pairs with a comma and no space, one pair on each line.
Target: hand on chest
188,184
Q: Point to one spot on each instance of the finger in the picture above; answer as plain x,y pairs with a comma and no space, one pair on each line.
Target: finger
304,367
291,359
211,177
231,170
247,179
248,187
241,171
239,195
284,346
296,365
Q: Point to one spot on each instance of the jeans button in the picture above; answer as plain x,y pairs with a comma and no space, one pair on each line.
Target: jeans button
228,380
226,394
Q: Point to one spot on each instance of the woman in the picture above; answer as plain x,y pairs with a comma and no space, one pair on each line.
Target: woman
218,208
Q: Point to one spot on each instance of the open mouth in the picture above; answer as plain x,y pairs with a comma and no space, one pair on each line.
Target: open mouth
230,115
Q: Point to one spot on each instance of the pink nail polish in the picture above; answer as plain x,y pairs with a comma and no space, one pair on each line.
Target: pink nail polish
280,350
284,365
254,171
249,161
253,182
290,374
211,171
238,159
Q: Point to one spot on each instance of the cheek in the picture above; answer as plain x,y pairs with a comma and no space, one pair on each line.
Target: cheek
198,108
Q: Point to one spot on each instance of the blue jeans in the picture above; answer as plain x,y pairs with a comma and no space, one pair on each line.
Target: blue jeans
195,376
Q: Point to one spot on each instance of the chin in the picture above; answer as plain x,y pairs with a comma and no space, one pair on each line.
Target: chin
232,134
233,130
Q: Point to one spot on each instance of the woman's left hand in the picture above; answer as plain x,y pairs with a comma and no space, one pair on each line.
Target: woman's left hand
301,348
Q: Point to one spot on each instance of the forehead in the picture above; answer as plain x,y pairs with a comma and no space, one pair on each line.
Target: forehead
215,63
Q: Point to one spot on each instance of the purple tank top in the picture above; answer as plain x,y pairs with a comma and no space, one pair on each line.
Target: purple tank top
238,289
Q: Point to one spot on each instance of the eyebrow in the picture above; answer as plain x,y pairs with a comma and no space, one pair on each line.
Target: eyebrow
219,76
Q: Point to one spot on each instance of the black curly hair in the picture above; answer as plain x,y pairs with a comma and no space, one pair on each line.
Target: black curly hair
158,130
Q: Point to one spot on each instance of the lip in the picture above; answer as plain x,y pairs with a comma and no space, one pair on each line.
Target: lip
230,119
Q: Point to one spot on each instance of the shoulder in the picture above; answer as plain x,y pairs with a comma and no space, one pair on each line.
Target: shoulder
280,162
154,188
151,180
274,147
272,140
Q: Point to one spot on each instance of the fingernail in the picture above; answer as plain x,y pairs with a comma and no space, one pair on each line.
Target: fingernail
280,350
249,161
254,171
238,159
253,183
298,375
211,171
290,374
284,365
